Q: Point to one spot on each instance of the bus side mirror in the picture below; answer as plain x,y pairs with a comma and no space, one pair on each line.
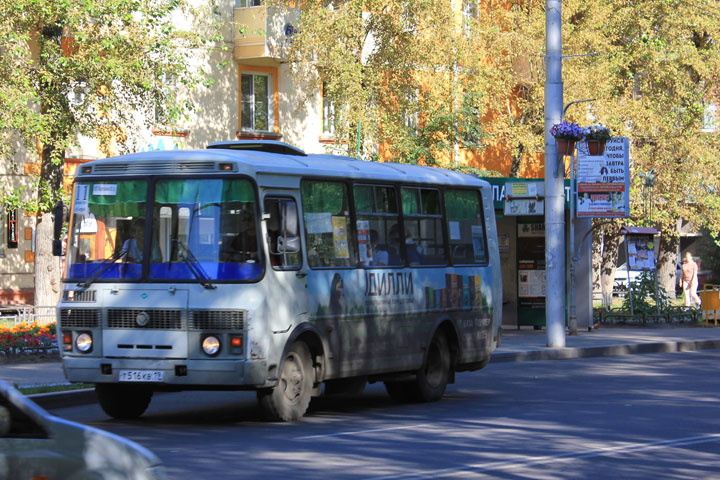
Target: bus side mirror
289,216
288,244
58,218
289,241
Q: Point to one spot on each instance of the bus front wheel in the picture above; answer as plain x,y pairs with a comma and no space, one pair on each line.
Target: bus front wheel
123,401
289,399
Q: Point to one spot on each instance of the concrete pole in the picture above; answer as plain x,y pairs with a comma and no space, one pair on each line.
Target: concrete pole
554,181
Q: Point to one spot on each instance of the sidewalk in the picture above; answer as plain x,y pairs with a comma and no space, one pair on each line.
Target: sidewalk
516,346
531,345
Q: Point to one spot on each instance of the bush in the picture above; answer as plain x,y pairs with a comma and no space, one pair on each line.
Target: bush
644,289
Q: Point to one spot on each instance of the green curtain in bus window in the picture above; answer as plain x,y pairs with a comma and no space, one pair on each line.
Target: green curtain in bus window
385,198
462,205
323,197
430,202
410,201
123,198
204,191
363,198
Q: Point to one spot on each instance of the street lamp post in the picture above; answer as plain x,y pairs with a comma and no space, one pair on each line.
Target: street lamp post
554,180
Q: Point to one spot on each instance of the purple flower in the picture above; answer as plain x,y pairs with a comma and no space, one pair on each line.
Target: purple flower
567,131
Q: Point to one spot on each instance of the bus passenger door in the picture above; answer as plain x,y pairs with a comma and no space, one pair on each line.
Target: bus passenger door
287,294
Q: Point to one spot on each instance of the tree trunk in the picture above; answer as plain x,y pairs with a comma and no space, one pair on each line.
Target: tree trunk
516,160
668,259
611,242
47,267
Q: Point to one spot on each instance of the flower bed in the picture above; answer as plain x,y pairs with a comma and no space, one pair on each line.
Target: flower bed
24,338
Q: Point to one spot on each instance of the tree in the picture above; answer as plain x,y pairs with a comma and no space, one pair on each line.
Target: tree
655,75
401,75
90,68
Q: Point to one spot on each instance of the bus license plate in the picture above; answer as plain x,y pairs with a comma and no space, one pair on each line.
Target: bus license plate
140,376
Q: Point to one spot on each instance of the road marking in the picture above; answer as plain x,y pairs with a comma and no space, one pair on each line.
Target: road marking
510,464
360,432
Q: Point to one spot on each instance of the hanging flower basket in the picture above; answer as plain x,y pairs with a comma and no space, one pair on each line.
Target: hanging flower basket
596,147
565,147
566,134
596,136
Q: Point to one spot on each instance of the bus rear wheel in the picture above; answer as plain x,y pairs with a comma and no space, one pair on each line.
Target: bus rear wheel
431,380
123,401
289,399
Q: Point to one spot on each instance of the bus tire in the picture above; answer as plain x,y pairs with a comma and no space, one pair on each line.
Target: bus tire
123,401
432,379
289,399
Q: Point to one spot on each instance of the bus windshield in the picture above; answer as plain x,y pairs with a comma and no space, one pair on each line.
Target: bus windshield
199,230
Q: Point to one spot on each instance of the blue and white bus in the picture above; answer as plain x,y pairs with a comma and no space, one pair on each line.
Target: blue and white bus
252,265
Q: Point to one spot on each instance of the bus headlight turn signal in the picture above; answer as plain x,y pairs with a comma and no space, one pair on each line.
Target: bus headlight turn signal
211,345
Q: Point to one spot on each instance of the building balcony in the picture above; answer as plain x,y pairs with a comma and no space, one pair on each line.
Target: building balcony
263,32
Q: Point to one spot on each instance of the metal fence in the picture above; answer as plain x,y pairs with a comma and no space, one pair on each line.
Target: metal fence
27,314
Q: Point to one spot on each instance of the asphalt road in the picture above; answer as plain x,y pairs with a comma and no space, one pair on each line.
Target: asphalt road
631,417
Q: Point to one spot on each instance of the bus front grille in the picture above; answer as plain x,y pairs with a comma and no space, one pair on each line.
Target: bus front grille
217,319
138,318
79,318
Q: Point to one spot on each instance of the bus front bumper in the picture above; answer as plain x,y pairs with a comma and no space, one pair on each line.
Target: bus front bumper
175,373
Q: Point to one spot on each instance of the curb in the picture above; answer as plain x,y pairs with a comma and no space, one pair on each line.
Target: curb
67,399
605,351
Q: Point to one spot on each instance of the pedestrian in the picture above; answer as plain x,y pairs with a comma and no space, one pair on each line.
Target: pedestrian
689,280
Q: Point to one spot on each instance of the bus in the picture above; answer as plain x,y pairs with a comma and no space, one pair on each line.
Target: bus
252,265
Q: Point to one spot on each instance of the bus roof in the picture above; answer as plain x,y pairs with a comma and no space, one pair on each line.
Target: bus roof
254,163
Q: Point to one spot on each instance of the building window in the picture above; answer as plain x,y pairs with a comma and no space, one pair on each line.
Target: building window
255,109
709,118
411,114
328,114
470,13
247,3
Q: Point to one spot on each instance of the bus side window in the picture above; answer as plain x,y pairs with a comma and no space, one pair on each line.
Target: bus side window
423,238
463,210
283,237
329,236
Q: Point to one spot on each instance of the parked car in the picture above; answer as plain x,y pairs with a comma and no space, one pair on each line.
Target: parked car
35,444
621,278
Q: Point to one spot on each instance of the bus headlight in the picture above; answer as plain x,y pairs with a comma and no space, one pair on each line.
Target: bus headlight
83,342
211,345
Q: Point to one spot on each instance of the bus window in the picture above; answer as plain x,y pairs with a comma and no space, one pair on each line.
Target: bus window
424,241
207,226
377,216
328,232
282,236
105,213
465,226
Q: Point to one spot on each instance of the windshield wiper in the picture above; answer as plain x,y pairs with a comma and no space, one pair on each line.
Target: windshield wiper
99,270
187,256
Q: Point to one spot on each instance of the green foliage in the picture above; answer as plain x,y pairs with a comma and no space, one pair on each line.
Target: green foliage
397,74
647,298
91,68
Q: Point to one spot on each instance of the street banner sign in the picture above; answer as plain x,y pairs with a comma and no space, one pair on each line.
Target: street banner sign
524,198
603,181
